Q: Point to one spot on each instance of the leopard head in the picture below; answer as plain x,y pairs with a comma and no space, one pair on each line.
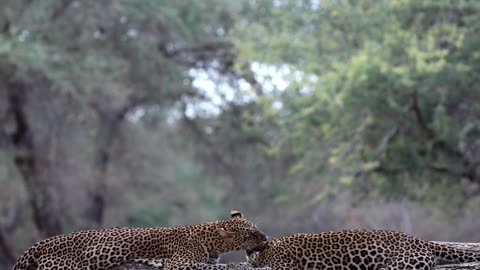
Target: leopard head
237,233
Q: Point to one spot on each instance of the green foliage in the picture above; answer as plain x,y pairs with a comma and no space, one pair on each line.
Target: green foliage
368,97
187,186
389,108
150,215
95,61
107,47
300,110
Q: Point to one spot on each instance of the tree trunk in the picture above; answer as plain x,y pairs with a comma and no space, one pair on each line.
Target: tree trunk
109,121
239,266
474,247
29,160
104,140
7,254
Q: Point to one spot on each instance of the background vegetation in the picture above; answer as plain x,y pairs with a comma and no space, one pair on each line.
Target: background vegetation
307,115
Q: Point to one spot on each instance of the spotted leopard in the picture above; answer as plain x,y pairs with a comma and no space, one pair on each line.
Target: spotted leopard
355,249
184,247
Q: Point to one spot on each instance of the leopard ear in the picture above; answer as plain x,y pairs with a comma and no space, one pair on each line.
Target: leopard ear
236,214
225,234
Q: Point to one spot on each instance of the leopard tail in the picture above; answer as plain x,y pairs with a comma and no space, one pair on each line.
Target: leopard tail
453,255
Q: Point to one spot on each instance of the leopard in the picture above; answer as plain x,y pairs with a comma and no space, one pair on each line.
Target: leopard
354,250
179,247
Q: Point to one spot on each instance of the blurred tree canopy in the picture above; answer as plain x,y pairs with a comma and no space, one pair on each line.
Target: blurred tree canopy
75,75
74,71
381,96
154,113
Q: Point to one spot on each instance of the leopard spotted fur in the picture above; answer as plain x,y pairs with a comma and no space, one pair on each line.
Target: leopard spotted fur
355,249
184,247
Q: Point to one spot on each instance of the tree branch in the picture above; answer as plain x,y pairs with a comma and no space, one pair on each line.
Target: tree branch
419,116
200,55
231,266
60,10
474,247
190,124
470,171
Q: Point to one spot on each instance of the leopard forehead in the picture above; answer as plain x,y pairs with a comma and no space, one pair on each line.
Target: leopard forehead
237,223
240,224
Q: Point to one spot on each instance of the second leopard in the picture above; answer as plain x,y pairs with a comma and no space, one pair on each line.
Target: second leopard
356,249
